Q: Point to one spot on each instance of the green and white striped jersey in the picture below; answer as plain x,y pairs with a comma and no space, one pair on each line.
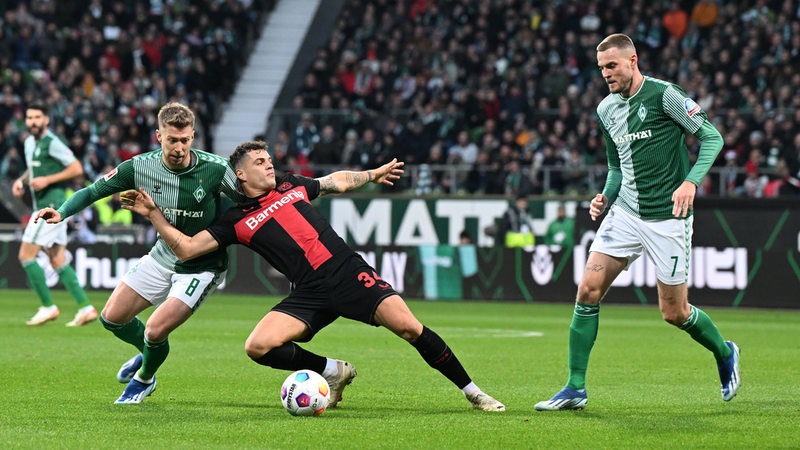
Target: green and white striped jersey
645,140
189,199
45,157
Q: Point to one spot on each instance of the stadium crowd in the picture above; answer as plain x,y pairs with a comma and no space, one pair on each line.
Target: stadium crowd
507,90
504,90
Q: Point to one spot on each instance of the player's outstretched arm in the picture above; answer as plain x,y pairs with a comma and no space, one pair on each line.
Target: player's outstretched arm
185,247
345,180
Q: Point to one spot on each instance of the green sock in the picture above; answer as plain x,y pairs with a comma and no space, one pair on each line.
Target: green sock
154,354
131,332
70,281
702,329
582,333
38,282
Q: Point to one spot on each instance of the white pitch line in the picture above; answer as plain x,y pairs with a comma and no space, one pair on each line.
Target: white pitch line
489,332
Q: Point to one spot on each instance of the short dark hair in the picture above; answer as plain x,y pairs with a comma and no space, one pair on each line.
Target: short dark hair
616,40
245,148
176,115
38,106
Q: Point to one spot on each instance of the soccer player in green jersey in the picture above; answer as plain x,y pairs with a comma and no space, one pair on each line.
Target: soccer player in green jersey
650,188
50,165
186,184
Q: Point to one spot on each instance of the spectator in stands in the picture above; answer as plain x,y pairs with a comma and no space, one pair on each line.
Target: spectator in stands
328,151
12,165
754,183
517,225
676,20
306,136
110,212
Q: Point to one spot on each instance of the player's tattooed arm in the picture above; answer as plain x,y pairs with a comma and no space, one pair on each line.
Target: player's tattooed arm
342,181
345,180
326,185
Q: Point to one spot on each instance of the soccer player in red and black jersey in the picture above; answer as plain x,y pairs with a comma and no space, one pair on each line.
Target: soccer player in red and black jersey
329,278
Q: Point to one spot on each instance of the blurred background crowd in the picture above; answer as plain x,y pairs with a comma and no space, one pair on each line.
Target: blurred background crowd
478,97
507,89
104,68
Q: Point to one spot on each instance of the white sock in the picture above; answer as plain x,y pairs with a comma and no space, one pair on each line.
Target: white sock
331,368
470,389
142,380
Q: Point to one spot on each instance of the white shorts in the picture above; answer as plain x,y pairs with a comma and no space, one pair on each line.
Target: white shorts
156,283
45,234
667,242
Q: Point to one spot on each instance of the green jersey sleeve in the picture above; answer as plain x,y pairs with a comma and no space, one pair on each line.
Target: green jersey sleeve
118,180
60,152
682,109
614,176
710,145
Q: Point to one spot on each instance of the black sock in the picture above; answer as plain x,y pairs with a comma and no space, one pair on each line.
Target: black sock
291,356
438,355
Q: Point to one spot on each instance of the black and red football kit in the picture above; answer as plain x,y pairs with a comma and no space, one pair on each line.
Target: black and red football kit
329,278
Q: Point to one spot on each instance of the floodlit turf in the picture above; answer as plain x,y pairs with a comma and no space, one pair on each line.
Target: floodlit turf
650,385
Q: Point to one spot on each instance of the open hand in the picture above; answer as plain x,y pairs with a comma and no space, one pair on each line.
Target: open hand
389,172
139,202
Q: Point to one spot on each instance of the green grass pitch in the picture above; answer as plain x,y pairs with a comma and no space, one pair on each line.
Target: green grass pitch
650,385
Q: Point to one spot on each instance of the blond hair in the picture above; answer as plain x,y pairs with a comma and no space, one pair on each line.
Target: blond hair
616,40
176,115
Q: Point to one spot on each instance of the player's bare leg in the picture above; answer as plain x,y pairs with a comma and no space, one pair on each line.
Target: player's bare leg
394,314
271,343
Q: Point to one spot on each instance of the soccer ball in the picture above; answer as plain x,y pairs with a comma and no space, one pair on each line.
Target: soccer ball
305,393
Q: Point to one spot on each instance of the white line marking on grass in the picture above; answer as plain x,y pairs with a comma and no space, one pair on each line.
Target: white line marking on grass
489,332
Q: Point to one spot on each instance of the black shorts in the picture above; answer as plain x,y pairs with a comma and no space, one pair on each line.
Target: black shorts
353,290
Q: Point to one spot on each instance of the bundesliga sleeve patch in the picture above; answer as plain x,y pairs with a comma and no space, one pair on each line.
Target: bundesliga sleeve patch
691,107
110,175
